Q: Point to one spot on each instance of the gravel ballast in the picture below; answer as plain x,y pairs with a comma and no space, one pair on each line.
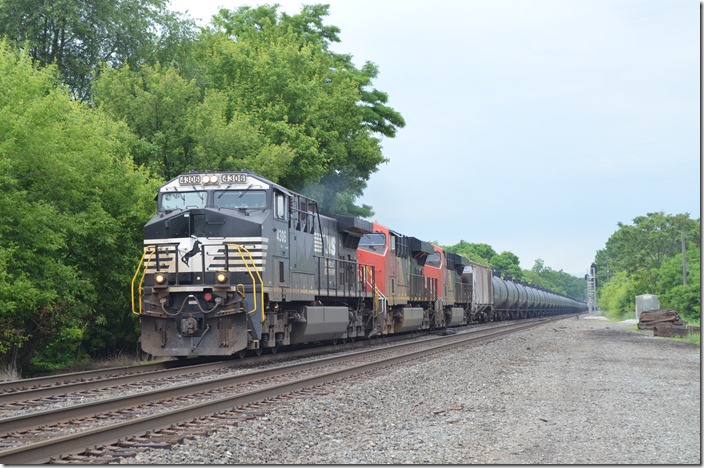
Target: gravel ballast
583,391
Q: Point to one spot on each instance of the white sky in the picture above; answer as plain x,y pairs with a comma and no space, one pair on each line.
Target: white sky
532,126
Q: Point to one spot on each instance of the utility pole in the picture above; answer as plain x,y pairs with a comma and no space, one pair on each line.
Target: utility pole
684,262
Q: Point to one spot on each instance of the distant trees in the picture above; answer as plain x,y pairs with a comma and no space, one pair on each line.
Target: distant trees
646,258
507,265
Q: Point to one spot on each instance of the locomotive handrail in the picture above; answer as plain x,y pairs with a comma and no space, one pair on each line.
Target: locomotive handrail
142,263
377,293
240,248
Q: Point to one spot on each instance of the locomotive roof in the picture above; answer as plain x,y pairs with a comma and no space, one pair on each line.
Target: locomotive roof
175,182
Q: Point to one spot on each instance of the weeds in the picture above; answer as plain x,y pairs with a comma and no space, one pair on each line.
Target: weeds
9,372
693,338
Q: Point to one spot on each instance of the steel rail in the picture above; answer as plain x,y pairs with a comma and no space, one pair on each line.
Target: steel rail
56,381
42,387
44,451
33,420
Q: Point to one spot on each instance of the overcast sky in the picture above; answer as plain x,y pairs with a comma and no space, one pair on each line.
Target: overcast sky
534,126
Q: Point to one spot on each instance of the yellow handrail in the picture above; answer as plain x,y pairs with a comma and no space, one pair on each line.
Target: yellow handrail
141,280
240,248
377,293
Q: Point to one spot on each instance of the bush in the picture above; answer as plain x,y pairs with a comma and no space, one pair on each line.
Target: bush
61,352
617,297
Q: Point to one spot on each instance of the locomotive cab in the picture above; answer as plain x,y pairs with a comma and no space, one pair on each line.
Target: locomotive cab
202,285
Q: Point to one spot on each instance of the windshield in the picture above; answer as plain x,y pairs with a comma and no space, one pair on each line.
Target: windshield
240,199
183,200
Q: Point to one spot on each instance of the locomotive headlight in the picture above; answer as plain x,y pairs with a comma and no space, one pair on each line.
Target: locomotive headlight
213,179
160,279
221,278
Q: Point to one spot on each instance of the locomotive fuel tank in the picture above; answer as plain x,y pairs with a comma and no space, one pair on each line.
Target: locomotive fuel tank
318,323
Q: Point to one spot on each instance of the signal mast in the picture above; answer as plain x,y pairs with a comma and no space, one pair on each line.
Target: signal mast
591,288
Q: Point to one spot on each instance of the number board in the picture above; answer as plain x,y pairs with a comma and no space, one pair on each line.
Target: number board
189,179
234,178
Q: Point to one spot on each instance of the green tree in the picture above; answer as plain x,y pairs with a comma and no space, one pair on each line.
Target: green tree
617,297
480,253
177,129
262,91
78,36
556,281
71,203
640,249
157,104
279,71
642,259
507,265
672,291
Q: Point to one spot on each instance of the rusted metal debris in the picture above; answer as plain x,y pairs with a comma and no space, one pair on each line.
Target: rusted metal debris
663,322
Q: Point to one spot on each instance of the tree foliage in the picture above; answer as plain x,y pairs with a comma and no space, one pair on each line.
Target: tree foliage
277,73
555,280
78,37
646,256
265,93
123,95
507,265
480,253
69,204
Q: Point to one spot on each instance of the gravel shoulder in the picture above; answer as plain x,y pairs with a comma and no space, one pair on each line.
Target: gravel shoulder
577,391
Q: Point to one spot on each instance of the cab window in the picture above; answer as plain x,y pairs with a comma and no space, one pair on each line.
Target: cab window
281,206
240,199
373,241
183,200
433,260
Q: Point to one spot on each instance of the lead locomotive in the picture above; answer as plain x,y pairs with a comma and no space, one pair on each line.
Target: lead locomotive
233,261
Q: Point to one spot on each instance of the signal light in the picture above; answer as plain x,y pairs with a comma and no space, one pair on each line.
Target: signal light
208,297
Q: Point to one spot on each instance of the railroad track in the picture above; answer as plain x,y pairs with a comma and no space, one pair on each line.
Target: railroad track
119,424
40,390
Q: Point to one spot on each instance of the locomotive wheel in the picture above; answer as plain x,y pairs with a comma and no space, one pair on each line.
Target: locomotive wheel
274,349
241,354
259,351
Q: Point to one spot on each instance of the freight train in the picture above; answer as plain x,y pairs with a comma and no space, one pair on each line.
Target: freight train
234,262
